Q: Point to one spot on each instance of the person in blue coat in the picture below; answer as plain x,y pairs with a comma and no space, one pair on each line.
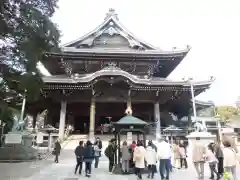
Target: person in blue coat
88,158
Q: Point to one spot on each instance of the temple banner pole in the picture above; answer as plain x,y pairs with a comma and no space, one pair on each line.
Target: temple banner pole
189,121
92,119
23,106
219,127
62,120
193,100
194,105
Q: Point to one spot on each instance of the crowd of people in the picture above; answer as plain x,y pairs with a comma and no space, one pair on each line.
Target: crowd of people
87,153
137,157
221,160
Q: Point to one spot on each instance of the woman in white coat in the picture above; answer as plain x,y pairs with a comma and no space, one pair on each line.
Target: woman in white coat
139,157
230,159
151,158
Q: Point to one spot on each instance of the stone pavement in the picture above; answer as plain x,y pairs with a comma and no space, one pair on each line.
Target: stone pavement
64,170
13,171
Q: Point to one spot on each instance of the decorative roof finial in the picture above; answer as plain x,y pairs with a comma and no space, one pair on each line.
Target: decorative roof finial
111,13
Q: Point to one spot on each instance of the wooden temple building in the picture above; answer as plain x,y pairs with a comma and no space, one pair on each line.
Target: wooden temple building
108,70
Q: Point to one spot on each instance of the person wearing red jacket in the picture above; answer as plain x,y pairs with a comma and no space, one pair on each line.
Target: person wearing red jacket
133,145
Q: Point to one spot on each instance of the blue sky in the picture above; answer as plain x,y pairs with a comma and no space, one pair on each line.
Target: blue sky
210,27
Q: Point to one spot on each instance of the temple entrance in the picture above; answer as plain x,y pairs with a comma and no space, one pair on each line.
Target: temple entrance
79,113
106,113
81,125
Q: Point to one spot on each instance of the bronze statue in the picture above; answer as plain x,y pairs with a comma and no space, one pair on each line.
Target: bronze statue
199,127
19,125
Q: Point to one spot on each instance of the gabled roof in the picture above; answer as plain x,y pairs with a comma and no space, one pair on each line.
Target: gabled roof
111,41
110,26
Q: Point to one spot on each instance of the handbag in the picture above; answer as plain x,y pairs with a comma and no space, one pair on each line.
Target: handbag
54,152
226,176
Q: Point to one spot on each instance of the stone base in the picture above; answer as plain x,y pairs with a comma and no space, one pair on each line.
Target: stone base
19,152
205,137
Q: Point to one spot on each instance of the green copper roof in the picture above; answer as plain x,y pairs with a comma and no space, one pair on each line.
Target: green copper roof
128,119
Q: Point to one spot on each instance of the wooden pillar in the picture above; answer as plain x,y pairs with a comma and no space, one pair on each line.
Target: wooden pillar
157,120
92,119
62,120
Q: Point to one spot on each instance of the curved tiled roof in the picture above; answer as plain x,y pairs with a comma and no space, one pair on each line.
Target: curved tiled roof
120,52
114,71
204,103
111,41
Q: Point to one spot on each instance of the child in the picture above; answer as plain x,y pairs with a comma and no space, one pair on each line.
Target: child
212,160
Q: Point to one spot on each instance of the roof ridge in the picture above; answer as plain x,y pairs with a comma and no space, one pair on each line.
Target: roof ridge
87,34
111,16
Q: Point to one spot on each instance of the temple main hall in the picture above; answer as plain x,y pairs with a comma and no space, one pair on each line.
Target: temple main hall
95,78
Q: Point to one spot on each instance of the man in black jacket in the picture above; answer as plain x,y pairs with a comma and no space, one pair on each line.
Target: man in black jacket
110,153
79,152
88,158
57,150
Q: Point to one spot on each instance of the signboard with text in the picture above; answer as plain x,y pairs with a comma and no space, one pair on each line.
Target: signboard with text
39,139
13,139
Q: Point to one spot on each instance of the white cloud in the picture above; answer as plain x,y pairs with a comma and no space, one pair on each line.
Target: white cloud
211,27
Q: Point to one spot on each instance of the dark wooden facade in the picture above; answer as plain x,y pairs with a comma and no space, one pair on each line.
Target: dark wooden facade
111,66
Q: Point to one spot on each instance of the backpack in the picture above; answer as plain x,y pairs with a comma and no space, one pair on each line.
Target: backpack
106,152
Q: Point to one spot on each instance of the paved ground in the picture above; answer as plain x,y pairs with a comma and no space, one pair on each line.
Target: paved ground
13,171
43,170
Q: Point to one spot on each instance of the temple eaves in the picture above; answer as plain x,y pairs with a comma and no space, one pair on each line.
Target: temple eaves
111,71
